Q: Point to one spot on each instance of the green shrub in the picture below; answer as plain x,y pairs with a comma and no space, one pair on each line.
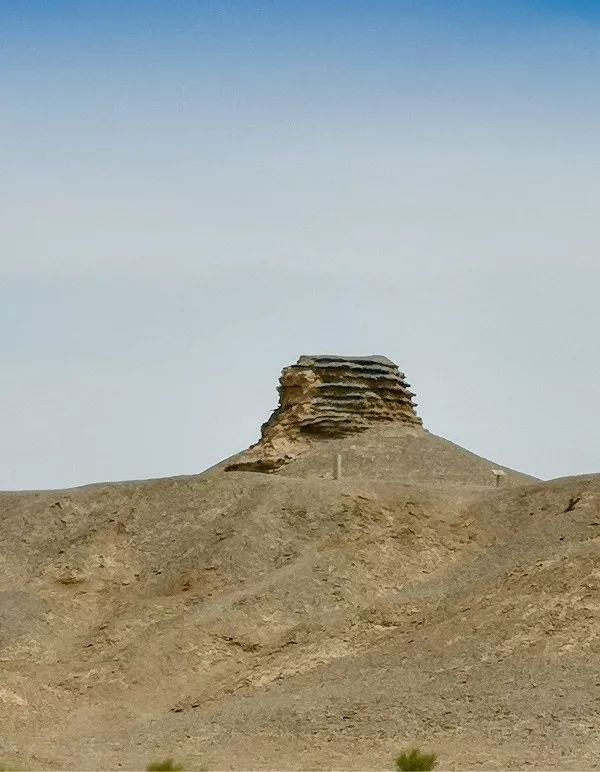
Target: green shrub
164,766
413,759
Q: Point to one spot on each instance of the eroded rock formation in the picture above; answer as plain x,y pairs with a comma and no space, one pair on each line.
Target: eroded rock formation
328,396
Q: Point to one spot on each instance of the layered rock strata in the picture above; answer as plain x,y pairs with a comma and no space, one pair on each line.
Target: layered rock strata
326,396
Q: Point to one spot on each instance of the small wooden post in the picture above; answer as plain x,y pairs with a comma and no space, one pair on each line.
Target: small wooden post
499,474
337,466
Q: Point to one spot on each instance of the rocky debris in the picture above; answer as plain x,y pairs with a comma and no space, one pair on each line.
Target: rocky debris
328,396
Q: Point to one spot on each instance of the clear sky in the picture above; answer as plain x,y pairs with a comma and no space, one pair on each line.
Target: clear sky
194,193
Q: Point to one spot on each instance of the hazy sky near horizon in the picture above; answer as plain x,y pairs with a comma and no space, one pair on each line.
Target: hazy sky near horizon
192,194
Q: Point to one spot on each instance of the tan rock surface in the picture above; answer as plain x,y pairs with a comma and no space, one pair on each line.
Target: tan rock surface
325,396
242,620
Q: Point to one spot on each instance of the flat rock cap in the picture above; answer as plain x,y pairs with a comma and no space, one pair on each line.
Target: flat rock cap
371,359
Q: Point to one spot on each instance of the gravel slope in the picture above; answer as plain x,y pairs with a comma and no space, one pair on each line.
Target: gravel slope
243,620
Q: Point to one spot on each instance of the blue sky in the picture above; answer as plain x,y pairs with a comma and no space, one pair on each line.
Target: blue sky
194,193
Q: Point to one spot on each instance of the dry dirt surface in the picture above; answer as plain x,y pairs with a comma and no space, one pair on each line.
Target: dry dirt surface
242,620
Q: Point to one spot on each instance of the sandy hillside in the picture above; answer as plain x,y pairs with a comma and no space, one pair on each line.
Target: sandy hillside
289,620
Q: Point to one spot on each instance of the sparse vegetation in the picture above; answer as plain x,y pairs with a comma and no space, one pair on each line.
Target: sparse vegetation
167,765
573,502
413,759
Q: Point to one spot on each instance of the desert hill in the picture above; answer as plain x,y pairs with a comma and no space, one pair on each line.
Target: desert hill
264,615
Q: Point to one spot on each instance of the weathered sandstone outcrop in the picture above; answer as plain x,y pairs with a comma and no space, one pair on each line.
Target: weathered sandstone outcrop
325,396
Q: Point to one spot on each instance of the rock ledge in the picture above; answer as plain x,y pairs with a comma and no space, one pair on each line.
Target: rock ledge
327,396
